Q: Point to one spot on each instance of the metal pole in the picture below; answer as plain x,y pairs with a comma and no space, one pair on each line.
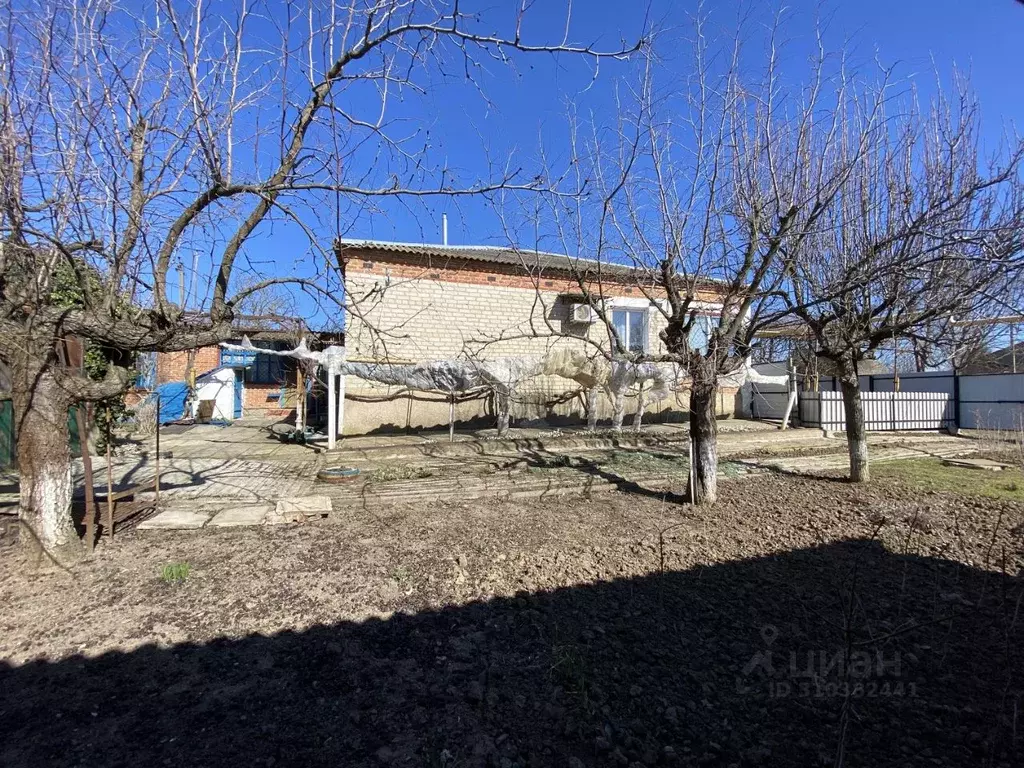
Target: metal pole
956,400
340,424
332,411
110,483
693,487
1013,347
300,398
793,397
90,496
156,481
451,418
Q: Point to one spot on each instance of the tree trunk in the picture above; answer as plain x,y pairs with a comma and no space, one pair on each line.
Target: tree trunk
592,395
618,410
641,405
856,434
704,437
44,464
503,401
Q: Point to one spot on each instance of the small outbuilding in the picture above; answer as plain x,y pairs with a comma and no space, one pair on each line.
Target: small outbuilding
215,395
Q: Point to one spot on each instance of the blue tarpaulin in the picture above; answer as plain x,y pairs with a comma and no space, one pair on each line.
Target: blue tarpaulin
172,400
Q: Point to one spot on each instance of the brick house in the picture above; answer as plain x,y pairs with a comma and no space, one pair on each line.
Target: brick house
265,386
417,302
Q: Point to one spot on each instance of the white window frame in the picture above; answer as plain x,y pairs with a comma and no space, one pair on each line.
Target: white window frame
643,306
649,306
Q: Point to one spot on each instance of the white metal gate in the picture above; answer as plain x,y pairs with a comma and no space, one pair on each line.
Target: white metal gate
883,411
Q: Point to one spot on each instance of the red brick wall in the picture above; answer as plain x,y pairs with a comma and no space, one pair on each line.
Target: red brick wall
409,266
261,400
171,366
258,400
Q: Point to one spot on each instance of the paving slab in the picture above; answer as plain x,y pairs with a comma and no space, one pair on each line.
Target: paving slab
175,520
300,507
253,514
991,466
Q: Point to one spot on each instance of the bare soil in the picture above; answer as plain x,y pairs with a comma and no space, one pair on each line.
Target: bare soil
799,622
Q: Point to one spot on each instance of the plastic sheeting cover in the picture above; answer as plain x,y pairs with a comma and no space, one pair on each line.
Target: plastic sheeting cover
443,375
616,376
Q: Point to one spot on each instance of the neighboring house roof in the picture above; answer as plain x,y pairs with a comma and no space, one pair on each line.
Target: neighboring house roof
794,329
868,367
805,358
315,339
273,328
997,361
501,255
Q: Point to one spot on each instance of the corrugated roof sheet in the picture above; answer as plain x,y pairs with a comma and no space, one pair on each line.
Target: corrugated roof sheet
270,328
492,254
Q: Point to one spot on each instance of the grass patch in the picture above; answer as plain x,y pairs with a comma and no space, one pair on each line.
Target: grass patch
732,469
556,461
398,472
644,460
627,464
933,475
175,573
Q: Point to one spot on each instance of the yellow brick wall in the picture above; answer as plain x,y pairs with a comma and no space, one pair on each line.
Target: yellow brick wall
412,317
422,319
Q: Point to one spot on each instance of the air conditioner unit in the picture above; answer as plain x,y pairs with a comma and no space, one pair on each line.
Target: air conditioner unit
583,313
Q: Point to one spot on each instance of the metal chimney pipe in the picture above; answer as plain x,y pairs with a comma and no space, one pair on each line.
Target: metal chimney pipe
444,229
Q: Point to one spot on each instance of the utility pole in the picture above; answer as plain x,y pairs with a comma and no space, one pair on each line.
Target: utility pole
1013,347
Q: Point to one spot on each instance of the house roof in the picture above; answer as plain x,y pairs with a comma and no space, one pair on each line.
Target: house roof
502,255
804,357
272,328
998,361
312,337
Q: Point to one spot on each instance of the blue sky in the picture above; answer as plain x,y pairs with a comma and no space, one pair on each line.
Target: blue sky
525,107
984,36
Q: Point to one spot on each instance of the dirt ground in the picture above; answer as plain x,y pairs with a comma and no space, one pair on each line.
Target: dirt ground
799,622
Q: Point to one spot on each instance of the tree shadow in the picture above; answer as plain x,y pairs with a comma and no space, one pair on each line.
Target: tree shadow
182,482
820,476
592,468
795,659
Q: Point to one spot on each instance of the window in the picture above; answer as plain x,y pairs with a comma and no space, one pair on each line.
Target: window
260,368
266,369
700,333
631,327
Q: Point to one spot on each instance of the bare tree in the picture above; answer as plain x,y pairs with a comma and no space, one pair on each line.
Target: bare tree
697,187
135,135
925,230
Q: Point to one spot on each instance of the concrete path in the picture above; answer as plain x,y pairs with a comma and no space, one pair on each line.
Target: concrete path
257,440
295,509
494,469
238,474
206,479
